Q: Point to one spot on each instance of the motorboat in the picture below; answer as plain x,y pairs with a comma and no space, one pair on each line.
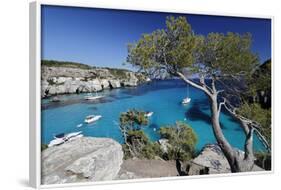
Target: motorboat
92,97
92,118
56,142
186,100
76,137
62,138
71,135
148,114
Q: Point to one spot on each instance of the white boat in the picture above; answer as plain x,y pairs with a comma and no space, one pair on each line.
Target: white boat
92,118
71,135
79,125
56,142
148,114
92,97
62,138
186,100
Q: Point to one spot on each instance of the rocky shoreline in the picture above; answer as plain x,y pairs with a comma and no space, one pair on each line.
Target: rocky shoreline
68,80
88,159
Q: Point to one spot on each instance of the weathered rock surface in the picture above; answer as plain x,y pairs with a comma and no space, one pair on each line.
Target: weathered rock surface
211,160
105,84
142,168
64,80
115,83
132,80
164,145
81,160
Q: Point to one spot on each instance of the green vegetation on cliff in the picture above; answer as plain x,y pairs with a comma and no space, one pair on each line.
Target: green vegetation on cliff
54,63
262,116
181,139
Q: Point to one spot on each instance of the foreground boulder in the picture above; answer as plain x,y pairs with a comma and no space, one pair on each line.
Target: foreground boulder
81,160
211,160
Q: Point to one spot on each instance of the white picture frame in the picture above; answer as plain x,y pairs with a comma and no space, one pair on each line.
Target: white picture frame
35,98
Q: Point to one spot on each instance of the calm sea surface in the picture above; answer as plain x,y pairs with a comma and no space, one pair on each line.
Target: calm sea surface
161,97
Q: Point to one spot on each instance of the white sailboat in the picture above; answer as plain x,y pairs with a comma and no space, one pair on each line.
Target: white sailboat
187,99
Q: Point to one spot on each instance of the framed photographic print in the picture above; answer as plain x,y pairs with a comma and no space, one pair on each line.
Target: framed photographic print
134,95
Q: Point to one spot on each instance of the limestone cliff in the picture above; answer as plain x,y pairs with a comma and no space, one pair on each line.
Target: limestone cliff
62,78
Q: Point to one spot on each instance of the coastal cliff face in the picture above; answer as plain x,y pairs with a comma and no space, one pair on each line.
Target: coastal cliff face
66,80
82,160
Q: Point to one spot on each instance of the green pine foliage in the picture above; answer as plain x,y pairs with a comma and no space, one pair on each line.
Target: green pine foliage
177,47
138,145
262,116
182,139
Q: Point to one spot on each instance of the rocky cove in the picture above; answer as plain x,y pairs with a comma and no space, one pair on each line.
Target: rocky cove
68,80
99,157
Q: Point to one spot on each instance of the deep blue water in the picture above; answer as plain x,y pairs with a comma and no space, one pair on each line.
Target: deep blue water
161,97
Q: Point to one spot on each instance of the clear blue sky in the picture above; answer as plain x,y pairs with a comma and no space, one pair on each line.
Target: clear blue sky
99,37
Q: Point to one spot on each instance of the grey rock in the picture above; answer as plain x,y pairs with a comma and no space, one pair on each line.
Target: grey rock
164,144
71,86
105,84
131,81
211,160
127,175
64,80
44,87
96,85
81,160
115,83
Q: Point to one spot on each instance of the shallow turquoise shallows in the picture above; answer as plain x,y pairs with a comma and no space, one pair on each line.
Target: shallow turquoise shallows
161,97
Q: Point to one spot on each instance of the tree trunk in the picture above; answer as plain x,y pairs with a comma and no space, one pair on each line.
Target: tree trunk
237,162
222,142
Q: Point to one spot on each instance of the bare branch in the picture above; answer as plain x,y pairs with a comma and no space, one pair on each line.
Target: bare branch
262,138
248,147
213,85
221,104
220,91
248,125
202,81
194,84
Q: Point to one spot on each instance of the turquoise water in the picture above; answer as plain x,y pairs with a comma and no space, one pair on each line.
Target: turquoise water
161,97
